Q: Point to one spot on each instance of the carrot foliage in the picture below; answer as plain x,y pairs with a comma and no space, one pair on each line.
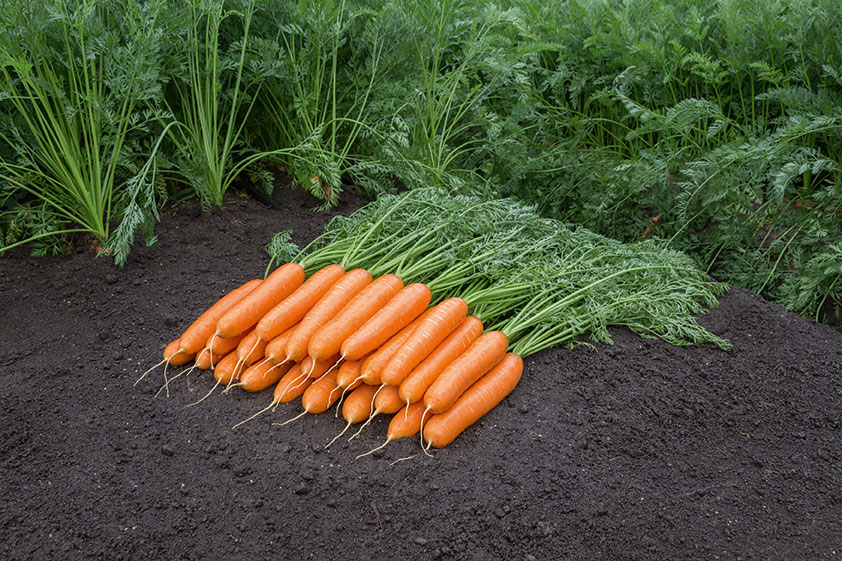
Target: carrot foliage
542,282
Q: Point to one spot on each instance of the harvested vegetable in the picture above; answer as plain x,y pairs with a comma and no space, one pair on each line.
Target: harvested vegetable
292,309
478,400
247,312
325,309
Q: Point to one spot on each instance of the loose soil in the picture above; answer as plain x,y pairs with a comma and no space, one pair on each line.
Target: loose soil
639,450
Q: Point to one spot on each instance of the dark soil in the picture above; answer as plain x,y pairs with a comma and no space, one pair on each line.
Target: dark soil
639,450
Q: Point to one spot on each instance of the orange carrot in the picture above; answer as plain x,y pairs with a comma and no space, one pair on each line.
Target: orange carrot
248,311
292,385
315,369
416,383
399,312
251,349
407,422
468,367
261,375
349,373
478,400
174,356
289,387
197,334
357,408
325,309
205,358
328,340
318,398
388,401
276,349
293,308
223,345
373,365
228,369
440,323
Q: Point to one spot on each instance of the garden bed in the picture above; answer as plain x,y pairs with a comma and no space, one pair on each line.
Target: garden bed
640,450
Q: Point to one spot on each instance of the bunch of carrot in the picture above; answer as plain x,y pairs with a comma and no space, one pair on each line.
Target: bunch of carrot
503,283
344,332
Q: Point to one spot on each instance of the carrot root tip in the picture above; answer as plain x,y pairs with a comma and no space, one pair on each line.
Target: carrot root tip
265,409
388,440
142,376
291,420
403,459
207,395
335,438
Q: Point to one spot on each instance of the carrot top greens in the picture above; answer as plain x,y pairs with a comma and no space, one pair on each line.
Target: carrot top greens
538,280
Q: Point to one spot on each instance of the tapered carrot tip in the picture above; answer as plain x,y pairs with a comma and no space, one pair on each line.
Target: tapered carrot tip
388,440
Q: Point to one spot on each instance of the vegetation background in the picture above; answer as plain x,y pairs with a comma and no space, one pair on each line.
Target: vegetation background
710,127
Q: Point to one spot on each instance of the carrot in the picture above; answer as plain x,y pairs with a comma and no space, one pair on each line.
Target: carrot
200,330
440,323
349,373
416,383
291,385
348,377
248,311
174,356
205,358
478,400
325,309
407,422
250,349
318,398
385,400
261,375
388,401
293,308
357,408
468,367
224,345
276,349
399,312
316,369
228,369
373,365
328,340
288,388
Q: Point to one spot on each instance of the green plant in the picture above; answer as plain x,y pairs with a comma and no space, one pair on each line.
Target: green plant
80,80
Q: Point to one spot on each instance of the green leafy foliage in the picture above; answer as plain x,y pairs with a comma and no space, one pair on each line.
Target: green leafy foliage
707,127
79,81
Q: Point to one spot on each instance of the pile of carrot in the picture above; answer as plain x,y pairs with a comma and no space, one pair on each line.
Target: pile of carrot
422,305
377,342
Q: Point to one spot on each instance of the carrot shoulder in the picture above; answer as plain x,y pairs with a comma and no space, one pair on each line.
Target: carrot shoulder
478,400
